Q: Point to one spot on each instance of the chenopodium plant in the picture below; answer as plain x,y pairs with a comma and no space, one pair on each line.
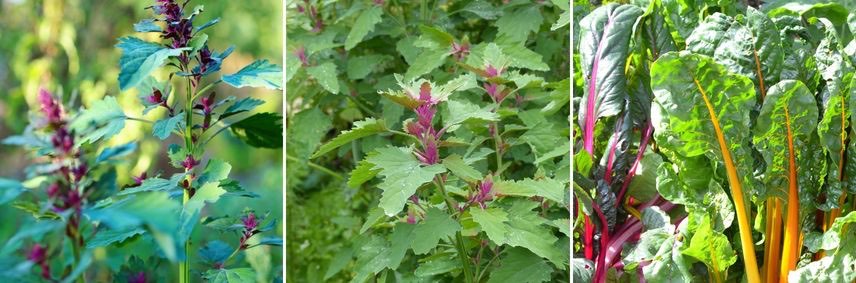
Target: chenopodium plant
64,189
462,218
195,114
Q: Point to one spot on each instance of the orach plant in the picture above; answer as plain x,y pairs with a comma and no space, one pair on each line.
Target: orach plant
75,189
706,112
465,176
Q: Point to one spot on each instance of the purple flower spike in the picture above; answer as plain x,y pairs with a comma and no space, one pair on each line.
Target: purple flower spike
79,171
250,221
50,107
301,53
491,71
38,255
425,94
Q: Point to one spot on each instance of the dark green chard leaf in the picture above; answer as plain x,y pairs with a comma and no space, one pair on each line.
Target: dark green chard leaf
656,32
603,50
705,38
753,48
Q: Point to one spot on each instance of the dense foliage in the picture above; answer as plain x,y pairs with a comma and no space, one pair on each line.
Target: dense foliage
427,141
82,213
694,114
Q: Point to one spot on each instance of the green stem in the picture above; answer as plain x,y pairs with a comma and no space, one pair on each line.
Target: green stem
497,141
184,266
459,240
139,120
316,166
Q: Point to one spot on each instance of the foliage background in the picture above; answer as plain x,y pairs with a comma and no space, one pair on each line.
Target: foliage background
67,46
324,214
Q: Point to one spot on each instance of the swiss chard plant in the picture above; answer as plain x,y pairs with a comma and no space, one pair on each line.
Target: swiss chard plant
82,214
694,115
444,155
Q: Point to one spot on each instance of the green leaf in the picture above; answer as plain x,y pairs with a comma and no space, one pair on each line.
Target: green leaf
363,173
492,222
754,51
112,152
260,73
292,65
547,188
837,266
659,246
163,127
147,25
435,37
707,36
208,24
403,174
375,214
361,66
522,57
260,130
102,120
583,270
482,9
363,26
437,225
189,217
9,190
215,252
325,74
711,247
236,275
242,105
139,59
360,130
518,24
108,237
520,265
457,166
462,111
425,62
153,210
438,265
785,131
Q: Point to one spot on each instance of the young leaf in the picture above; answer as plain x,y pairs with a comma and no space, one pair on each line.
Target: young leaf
260,73
712,248
108,237
139,59
363,173
260,130
102,120
403,174
361,66
361,129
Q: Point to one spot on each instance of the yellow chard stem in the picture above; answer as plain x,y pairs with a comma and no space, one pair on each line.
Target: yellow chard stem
790,254
746,242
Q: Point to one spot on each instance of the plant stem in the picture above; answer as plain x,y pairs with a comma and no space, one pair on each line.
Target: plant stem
459,240
316,166
184,266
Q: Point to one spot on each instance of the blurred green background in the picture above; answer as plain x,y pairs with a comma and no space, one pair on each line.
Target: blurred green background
67,46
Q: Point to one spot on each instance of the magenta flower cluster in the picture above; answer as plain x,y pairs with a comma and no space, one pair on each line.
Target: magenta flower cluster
251,224
423,128
70,168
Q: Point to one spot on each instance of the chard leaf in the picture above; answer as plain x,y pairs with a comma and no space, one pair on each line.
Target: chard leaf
661,247
712,248
708,35
607,28
753,50
707,109
784,134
